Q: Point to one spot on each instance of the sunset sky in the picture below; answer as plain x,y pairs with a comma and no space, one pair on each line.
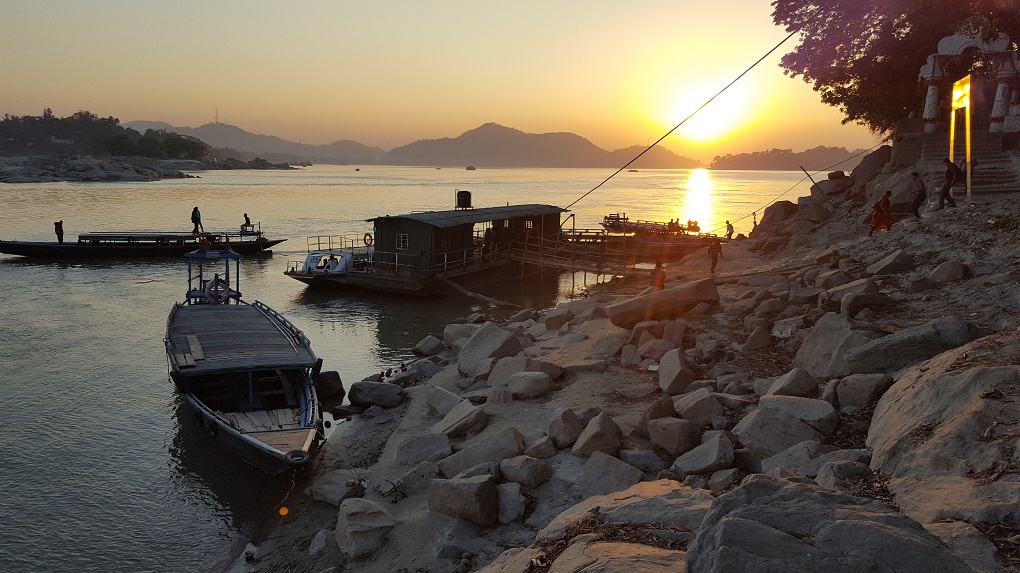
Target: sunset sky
389,73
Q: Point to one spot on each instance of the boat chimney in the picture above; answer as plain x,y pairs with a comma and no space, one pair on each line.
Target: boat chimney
463,199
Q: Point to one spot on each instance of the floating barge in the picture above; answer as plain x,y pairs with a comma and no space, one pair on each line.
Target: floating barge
246,371
131,244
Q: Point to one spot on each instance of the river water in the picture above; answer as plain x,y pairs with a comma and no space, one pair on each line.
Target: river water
101,470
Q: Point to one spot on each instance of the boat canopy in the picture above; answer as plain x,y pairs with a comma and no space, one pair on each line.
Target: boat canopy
453,218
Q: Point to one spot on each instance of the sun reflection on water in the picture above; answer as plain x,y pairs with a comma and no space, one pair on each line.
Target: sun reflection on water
698,199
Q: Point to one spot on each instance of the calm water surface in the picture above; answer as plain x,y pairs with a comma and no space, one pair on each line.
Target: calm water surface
102,471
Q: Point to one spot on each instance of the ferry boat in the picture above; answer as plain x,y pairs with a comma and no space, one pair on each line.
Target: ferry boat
129,244
245,371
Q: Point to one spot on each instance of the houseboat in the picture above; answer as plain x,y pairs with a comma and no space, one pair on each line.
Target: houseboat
421,253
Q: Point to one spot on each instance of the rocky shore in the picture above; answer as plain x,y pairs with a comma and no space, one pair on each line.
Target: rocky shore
46,169
826,402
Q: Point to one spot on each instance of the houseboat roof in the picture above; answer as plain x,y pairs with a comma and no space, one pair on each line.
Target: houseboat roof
457,217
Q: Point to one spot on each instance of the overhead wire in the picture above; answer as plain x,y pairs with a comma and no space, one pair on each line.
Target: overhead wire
692,114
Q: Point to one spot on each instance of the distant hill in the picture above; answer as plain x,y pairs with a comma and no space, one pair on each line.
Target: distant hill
268,146
815,159
493,145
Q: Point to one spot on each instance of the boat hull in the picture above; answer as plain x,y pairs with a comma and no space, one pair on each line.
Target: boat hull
141,250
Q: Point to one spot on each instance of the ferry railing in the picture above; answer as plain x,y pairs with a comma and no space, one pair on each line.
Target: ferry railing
291,331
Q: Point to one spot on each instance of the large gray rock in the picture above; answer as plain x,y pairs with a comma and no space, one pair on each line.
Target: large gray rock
361,526
818,414
329,386
504,368
417,478
673,435
336,486
860,286
654,349
944,434
618,557
910,345
854,303
651,502
525,470
715,454
506,443
464,418
488,342
769,432
512,503
429,346
441,401
665,304
862,389
564,428
530,385
895,262
770,525
454,332
602,434
699,406
608,346
675,374
660,408
796,382
602,474
773,218
473,499
366,394
822,352
949,271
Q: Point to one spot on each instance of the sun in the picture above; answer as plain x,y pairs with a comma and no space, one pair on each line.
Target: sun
717,119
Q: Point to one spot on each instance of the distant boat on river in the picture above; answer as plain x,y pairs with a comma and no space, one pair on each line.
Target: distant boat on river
128,244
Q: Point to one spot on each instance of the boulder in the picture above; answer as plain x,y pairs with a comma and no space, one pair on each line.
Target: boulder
417,478
910,345
511,502
525,470
602,474
862,389
441,401
854,303
564,428
796,382
773,218
895,262
638,332
769,432
361,526
644,460
822,352
608,346
834,475
674,373
805,295
664,304
673,331
329,386
860,286
429,346
497,447
541,447
795,457
336,486
601,434
464,418
945,434
488,342
499,397
818,414
504,368
651,502
699,406
473,499
662,407
721,480
366,394
530,385
655,349
455,332
760,338
715,454
949,271
673,435
556,318
774,525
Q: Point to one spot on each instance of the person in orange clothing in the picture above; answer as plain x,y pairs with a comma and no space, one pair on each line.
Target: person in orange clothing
882,217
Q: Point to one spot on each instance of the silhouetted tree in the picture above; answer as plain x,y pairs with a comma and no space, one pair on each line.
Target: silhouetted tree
863,56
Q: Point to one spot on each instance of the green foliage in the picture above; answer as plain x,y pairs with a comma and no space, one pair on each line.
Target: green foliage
86,133
818,158
863,56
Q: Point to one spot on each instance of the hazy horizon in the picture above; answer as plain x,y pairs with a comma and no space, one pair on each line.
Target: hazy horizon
386,75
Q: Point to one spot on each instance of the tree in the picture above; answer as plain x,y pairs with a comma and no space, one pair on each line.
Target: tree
863,56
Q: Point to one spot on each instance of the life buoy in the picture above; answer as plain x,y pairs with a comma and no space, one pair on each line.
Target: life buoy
297,457
368,240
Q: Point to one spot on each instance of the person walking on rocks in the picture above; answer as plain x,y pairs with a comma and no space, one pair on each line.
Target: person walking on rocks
196,218
714,252
882,217
918,192
953,175
58,228
729,230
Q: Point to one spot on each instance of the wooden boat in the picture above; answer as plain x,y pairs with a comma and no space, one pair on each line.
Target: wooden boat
244,369
422,253
640,240
142,244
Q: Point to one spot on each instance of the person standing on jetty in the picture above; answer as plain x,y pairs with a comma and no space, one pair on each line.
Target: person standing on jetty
714,252
58,228
953,175
729,230
881,217
196,218
919,193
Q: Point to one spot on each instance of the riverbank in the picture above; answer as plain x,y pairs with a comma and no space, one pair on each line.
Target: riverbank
825,401
86,169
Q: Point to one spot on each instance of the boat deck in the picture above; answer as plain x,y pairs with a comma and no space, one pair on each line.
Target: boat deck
211,338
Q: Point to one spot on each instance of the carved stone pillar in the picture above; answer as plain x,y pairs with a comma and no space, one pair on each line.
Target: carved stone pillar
931,107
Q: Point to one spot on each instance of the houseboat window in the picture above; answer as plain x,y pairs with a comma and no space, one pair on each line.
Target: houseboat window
529,224
401,241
